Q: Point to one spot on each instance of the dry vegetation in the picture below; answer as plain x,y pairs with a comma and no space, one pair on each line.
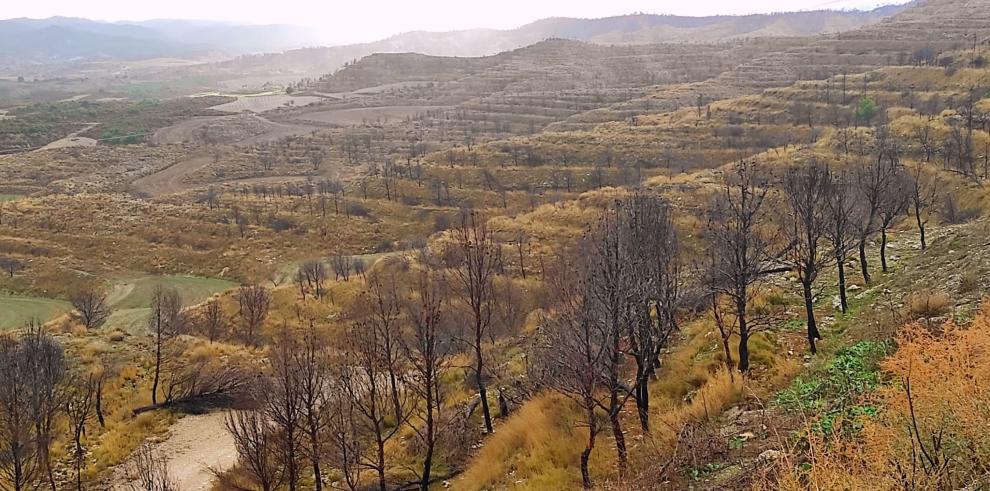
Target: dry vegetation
530,271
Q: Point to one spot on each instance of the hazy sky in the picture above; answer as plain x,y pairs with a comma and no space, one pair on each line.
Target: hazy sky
366,20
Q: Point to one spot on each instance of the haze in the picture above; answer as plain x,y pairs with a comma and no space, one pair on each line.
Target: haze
349,22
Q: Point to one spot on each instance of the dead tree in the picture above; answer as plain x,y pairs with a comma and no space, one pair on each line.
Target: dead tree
610,277
872,178
282,402
19,464
923,190
149,471
381,298
572,349
212,321
806,189
477,259
737,235
79,409
165,323
428,347
253,302
364,375
255,441
314,273
894,201
841,233
649,245
312,366
91,306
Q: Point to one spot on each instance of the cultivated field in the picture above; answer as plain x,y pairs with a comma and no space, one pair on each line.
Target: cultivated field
16,311
266,102
368,115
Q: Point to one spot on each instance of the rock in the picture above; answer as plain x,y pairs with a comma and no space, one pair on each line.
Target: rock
853,288
768,456
746,436
733,413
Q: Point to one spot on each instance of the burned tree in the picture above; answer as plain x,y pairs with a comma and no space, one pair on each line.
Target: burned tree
253,304
649,245
476,261
165,323
737,235
427,347
572,349
255,441
894,201
840,231
806,189
923,191
91,307
872,179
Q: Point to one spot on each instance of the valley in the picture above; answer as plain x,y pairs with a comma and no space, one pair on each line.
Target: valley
638,252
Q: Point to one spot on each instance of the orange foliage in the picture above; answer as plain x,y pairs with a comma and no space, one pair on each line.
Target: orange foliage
931,431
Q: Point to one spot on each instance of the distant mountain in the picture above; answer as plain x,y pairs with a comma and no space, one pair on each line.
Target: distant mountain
635,29
63,38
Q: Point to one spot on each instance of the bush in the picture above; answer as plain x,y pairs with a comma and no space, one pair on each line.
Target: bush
358,210
952,214
927,305
281,224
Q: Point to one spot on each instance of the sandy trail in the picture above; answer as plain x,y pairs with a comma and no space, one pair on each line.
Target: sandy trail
170,180
195,444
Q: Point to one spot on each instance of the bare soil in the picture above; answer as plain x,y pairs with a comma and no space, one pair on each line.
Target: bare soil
194,445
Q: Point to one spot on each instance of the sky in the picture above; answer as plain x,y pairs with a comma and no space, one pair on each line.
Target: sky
363,20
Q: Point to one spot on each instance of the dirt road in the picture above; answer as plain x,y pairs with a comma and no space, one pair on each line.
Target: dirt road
195,444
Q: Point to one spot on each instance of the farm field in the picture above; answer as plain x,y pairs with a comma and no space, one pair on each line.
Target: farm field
16,311
370,115
265,102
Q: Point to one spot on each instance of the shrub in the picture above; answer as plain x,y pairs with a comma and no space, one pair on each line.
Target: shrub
927,305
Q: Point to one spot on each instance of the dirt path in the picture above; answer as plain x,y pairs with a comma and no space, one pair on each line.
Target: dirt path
170,180
194,445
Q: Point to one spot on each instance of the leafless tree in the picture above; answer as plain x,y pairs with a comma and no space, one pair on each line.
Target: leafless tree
477,259
381,321
282,402
806,189
572,349
212,321
11,266
342,267
923,190
649,245
312,366
345,437
428,347
149,471
165,323
256,443
19,464
364,375
872,179
314,274
894,201
91,306
743,248
79,408
841,233
253,302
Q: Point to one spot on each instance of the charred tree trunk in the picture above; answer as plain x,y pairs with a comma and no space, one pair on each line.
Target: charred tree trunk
863,265
809,306
843,300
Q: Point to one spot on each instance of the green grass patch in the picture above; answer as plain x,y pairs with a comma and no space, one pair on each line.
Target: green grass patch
834,390
10,197
17,311
136,293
